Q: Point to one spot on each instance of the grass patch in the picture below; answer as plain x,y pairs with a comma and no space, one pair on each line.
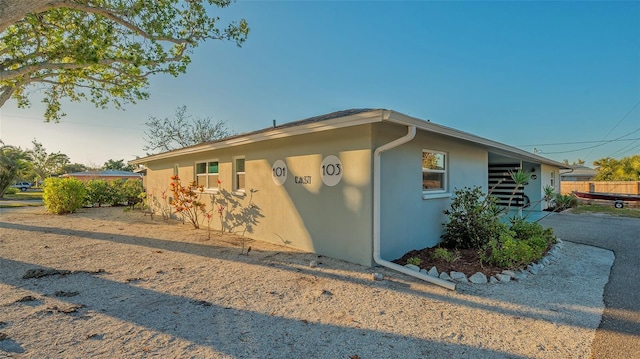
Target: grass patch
11,204
12,200
24,196
620,212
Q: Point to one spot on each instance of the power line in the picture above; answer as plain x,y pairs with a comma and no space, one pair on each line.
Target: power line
614,127
577,142
72,122
595,146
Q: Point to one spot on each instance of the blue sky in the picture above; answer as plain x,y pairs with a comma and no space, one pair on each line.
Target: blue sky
528,74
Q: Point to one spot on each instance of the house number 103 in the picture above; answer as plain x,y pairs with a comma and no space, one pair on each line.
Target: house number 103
331,169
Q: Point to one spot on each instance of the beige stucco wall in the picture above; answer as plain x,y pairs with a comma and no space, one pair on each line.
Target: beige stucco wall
330,220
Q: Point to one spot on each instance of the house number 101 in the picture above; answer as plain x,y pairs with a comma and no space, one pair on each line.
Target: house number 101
331,169
279,172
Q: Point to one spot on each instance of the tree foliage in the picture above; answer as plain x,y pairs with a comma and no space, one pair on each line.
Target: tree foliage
74,167
181,131
45,164
13,163
118,165
103,51
625,169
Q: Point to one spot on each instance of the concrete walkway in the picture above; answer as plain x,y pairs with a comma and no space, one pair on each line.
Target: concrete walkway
618,335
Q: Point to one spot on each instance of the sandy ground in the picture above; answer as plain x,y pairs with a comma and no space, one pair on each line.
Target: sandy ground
138,288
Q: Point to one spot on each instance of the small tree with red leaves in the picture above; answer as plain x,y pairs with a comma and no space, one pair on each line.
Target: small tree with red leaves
186,201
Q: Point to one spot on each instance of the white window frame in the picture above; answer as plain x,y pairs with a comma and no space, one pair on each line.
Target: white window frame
437,192
236,173
208,186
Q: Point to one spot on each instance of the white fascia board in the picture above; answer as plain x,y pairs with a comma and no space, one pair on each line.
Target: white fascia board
497,147
312,127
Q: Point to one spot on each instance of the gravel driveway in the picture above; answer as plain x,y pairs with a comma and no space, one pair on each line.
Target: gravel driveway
618,335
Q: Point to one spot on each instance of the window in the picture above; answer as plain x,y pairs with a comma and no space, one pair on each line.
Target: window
553,179
434,172
238,184
207,174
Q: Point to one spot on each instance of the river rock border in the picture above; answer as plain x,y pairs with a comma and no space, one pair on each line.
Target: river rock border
504,277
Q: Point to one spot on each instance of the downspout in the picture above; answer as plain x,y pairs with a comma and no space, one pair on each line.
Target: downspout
411,133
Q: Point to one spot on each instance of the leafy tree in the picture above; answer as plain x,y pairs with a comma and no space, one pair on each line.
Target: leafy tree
74,167
579,162
13,162
181,131
45,164
118,165
103,51
625,169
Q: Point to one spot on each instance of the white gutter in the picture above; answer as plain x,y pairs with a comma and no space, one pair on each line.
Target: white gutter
411,133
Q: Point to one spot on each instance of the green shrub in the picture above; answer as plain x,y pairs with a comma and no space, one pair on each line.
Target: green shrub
97,192
445,254
564,201
63,195
526,230
116,195
132,191
11,190
414,260
508,251
473,220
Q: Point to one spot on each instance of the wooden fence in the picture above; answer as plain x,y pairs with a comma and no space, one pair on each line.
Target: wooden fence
623,187
626,187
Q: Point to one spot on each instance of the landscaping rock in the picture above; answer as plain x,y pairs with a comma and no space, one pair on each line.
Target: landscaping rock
493,280
423,271
378,276
521,275
510,273
445,276
478,278
459,277
504,278
433,272
533,269
545,261
413,267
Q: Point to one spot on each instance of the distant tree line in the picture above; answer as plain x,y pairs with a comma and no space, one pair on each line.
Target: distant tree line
35,165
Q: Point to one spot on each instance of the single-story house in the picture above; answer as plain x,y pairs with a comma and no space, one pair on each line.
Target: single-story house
578,173
107,175
362,185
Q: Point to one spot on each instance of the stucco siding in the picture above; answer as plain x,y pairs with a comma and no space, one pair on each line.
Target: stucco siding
408,221
303,212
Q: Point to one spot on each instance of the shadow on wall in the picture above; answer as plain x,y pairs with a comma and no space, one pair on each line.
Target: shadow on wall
227,207
235,216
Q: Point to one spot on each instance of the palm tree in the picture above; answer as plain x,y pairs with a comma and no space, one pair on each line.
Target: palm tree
520,178
13,162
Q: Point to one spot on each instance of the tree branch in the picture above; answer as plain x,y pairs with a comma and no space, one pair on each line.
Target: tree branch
5,94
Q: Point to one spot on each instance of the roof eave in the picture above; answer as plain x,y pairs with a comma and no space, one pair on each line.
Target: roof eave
497,147
269,134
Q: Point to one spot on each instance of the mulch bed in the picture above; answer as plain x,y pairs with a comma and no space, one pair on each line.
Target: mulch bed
468,262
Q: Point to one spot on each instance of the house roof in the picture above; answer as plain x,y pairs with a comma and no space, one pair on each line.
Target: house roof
105,173
347,118
580,171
